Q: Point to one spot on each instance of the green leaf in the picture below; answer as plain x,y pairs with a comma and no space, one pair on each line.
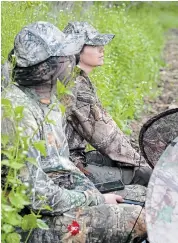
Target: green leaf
29,222
13,238
3,238
25,142
42,225
14,180
7,208
47,207
69,92
7,228
4,139
40,146
62,108
60,88
32,160
3,198
12,218
6,102
50,121
18,199
8,113
7,153
7,110
16,165
5,162
19,112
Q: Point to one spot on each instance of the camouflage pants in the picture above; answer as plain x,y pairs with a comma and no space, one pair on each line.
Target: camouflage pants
103,169
103,223
100,224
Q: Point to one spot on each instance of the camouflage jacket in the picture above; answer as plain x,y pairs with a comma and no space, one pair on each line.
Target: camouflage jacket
56,177
87,121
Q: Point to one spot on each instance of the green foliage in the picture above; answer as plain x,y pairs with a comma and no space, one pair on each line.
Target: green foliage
13,238
62,90
32,221
40,146
132,59
15,194
18,198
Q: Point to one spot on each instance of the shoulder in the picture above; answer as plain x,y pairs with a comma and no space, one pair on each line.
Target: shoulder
18,98
81,79
15,95
83,82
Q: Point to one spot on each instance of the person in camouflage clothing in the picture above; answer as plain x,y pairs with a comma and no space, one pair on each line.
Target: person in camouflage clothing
87,120
43,54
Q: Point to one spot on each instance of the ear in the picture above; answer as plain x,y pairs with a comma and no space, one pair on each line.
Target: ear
77,57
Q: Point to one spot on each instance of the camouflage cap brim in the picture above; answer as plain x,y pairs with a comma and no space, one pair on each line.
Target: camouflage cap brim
100,40
91,35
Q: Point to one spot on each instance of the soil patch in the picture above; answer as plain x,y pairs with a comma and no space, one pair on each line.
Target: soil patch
168,86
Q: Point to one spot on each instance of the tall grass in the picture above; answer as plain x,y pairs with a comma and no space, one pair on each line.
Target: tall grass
132,59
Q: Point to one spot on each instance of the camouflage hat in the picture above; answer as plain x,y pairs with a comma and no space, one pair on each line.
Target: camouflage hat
91,35
41,40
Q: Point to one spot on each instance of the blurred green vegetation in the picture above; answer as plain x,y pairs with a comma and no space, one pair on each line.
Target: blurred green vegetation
132,59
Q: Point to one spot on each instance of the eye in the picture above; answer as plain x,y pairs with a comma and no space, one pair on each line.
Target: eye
94,47
100,48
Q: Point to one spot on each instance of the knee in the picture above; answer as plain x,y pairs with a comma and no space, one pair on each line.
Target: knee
142,176
140,227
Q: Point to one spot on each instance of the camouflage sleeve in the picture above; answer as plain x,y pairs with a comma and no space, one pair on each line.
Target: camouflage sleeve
96,126
5,74
46,192
43,190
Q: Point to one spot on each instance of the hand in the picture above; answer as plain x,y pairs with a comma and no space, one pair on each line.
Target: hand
112,198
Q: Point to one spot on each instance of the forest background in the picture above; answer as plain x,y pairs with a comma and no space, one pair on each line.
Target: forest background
130,74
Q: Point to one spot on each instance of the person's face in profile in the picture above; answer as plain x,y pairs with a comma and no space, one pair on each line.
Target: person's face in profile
92,56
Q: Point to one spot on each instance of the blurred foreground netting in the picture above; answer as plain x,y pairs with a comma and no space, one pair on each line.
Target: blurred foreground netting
162,198
157,133
158,142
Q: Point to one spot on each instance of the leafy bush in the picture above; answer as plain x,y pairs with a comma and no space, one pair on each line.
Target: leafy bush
15,194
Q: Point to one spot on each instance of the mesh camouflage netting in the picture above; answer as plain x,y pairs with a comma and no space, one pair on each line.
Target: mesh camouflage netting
157,133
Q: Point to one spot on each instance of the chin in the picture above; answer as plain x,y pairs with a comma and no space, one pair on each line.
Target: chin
101,63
